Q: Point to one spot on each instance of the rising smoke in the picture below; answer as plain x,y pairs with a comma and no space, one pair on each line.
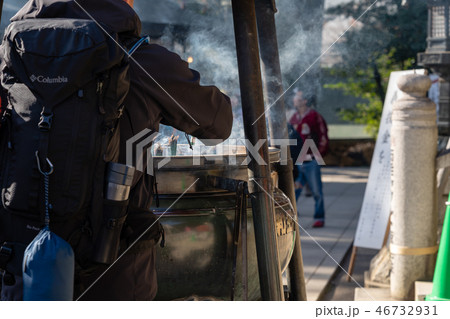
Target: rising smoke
211,44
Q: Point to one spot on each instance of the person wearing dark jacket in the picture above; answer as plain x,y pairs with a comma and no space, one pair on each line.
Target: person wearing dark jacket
163,90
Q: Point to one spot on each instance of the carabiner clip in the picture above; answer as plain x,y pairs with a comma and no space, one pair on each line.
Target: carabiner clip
39,165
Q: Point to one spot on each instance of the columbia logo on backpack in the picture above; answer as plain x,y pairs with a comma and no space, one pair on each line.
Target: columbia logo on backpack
48,80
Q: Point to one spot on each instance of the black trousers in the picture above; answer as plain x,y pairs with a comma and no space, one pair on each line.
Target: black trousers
133,277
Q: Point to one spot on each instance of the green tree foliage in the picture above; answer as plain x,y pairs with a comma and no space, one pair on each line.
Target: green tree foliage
386,38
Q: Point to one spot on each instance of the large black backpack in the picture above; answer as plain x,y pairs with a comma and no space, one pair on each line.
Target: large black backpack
65,82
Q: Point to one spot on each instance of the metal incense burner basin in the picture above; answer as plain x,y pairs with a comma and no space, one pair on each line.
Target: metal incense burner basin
210,249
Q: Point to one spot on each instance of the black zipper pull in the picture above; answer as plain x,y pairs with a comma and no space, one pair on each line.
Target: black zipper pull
100,89
155,191
162,244
6,120
120,111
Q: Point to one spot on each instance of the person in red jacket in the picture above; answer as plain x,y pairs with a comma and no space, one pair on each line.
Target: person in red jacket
310,125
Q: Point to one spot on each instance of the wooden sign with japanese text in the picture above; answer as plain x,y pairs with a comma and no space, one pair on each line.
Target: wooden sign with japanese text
375,210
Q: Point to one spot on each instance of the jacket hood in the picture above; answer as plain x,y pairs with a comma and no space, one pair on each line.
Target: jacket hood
116,15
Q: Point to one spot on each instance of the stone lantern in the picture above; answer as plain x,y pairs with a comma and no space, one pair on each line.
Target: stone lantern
437,57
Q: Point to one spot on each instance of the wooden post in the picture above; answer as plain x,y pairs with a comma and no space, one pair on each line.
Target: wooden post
352,263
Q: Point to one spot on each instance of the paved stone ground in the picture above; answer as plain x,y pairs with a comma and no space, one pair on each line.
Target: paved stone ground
324,249
339,289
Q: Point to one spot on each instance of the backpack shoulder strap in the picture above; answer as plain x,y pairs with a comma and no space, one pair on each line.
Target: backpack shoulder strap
137,44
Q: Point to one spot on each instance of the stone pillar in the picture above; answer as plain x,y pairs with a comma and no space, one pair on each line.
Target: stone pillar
414,220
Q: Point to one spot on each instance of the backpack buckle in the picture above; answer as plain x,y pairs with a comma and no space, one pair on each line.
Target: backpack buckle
45,123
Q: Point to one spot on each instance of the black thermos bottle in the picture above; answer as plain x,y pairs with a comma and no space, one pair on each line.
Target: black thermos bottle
119,178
